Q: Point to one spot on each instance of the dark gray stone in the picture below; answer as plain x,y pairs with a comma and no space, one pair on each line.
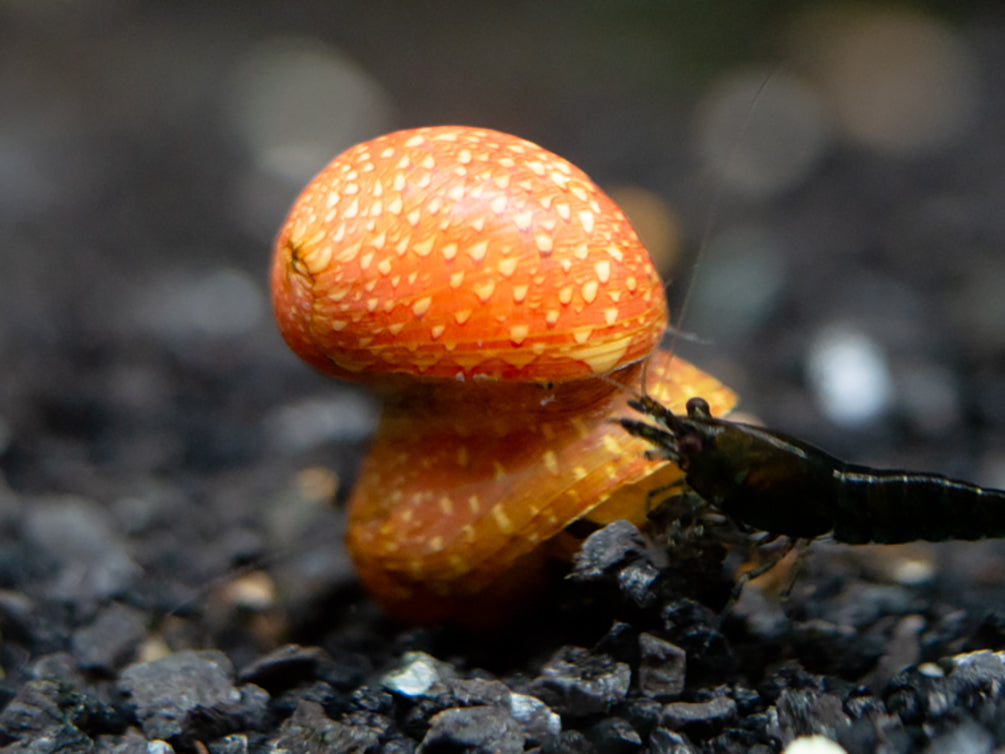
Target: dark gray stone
58,666
130,743
309,731
79,535
110,641
188,695
638,582
701,719
478,730
662,668
806,712
571,742
539,723
614,735
472,692
236,743
50,710
579,683
969,738
663,741
978,671
615,545
285,667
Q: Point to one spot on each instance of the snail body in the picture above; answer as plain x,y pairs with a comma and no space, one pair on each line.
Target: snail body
497,298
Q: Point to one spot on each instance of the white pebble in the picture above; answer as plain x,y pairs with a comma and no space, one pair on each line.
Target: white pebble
813,745
850,376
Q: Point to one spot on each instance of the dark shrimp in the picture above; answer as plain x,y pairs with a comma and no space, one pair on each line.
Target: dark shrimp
773,482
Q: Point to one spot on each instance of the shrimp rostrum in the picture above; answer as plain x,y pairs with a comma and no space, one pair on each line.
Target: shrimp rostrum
770,481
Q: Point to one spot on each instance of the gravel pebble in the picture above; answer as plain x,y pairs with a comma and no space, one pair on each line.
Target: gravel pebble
286,667
479,730
638,581
310,731
663,741
110,640
48,716
617,544
418,675
78,535
662,668
578,683
236,743
540,725
615,735
699,717
188,696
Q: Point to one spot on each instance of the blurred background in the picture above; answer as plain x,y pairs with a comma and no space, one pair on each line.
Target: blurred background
823,182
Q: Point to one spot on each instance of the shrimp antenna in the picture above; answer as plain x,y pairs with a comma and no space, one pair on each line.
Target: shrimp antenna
715,203
614,383
644,378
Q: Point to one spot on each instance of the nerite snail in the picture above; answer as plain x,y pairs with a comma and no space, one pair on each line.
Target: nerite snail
484,286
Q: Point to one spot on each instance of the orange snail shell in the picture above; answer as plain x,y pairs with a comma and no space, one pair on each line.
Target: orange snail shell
481,281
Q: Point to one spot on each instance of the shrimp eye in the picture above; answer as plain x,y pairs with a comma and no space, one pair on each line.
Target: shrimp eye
689,446
697,408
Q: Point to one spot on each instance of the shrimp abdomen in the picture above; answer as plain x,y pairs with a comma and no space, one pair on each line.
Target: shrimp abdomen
890,507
